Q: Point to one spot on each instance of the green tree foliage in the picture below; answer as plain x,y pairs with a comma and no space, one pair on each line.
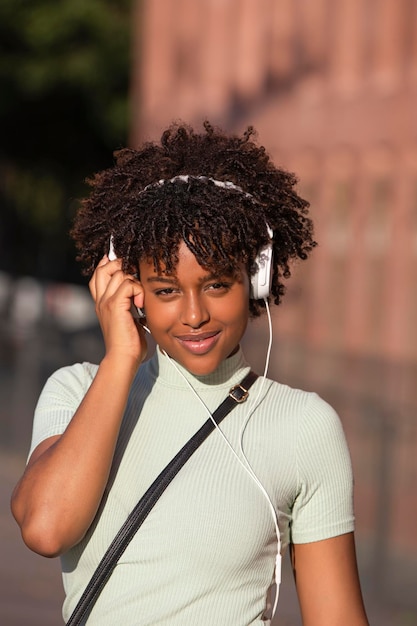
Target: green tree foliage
64,75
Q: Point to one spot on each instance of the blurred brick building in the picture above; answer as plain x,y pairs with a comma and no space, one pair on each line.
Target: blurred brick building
331,88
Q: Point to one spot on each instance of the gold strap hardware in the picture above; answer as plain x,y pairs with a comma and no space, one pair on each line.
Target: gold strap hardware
239,393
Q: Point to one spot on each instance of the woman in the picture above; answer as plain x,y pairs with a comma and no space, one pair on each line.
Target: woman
193,220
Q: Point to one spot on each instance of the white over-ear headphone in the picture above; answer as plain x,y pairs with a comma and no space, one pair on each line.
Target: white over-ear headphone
261,280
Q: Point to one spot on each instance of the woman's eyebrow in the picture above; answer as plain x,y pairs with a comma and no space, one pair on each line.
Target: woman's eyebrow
161,279
173,280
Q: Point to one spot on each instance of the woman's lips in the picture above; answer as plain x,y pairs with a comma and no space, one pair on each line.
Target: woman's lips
199,344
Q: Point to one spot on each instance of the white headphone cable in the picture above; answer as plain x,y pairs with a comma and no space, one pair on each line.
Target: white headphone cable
255,478
245,463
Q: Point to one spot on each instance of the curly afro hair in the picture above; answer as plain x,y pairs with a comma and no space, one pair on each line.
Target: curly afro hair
222,226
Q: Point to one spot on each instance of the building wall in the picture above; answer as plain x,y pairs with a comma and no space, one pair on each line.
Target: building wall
331,88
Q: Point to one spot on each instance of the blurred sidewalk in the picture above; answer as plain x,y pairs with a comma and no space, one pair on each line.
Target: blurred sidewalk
31,591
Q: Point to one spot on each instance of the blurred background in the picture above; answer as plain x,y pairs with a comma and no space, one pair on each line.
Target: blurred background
331,88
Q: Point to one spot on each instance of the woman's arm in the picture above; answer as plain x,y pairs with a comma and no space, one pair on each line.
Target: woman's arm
58,496
327,582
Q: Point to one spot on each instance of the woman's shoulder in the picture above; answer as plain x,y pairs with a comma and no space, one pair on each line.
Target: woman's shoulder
287,395
75,376
59,399
81,370
310,408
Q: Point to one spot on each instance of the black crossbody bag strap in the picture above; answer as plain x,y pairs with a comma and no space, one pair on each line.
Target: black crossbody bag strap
237,395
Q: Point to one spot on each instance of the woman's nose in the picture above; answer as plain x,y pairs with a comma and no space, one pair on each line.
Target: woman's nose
194,311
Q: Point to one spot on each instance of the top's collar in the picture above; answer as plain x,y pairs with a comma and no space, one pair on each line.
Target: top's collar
229,372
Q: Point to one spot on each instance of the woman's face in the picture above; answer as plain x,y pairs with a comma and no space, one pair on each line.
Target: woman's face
197,318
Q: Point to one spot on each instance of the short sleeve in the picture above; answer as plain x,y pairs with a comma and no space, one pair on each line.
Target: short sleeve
323,507
59,400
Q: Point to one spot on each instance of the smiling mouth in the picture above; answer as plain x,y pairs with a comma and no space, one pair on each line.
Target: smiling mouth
199,343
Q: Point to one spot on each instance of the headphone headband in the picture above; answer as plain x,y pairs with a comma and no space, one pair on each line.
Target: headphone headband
185,178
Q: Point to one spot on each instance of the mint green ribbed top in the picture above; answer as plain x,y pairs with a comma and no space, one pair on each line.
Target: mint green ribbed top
206,553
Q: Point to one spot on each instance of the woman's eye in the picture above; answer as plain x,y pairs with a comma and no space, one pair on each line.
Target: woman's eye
167,291
219,285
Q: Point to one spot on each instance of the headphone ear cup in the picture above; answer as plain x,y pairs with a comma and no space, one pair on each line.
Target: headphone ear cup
261,280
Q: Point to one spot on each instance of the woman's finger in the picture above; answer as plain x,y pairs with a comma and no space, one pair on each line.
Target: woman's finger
92,282
102,277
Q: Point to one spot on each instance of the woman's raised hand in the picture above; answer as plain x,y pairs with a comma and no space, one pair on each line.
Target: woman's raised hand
46,502
113,292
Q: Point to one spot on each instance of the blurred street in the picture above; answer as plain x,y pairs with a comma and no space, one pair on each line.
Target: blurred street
31,589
